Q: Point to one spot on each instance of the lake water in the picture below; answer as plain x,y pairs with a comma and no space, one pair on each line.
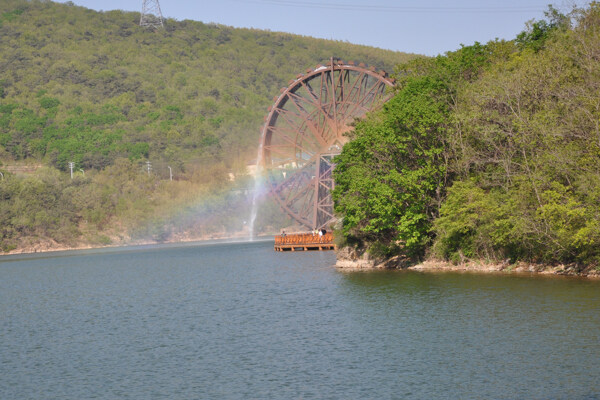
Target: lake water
240,321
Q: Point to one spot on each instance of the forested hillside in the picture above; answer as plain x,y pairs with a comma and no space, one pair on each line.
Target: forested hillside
491,152
95,89
74,79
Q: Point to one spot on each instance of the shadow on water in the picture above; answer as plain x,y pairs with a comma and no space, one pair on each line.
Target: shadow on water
509,290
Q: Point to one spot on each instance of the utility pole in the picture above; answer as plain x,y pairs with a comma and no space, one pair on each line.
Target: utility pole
148,166
170,173
151,15
71,165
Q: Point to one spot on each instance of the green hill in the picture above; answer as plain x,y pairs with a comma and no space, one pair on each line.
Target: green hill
96,89
76,80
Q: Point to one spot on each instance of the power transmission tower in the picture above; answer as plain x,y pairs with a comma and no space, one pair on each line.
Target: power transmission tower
148,167
151,14
71,165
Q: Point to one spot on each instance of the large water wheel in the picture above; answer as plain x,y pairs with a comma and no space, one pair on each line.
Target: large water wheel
305,129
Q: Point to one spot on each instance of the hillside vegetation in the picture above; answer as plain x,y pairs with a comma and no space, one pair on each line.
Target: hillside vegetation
491,152
96,89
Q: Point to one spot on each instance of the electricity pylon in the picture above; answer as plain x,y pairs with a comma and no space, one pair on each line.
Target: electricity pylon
151,14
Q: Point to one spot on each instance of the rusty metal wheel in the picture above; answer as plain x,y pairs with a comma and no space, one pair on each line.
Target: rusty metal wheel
305,129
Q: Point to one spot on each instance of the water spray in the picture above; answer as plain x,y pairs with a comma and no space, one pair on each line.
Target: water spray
258,183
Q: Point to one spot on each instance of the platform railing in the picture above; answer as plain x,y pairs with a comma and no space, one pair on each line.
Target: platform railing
303,239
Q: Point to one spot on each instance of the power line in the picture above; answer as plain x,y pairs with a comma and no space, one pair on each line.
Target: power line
397,9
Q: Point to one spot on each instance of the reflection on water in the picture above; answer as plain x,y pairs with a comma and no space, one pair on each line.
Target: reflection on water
241,321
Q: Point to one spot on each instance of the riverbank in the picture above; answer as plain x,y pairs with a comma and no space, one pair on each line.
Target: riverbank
50,246
349,260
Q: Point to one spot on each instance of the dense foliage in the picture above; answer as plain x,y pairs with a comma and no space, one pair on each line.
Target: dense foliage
490,152
96,89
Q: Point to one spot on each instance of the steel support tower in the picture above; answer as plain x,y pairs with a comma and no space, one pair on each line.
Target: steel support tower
151,14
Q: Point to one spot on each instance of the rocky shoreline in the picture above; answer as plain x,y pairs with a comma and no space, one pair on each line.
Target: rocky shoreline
350,260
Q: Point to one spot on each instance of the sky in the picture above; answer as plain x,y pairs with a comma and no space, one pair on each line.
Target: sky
428,27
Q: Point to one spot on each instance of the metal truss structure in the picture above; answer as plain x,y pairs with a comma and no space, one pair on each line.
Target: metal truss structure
305,129
151,15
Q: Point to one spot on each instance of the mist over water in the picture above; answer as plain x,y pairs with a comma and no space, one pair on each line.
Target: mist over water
258,188
240,321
